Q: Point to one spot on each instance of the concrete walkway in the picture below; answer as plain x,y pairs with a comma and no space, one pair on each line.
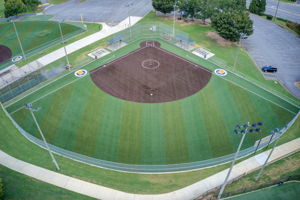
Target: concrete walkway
190,192
17,73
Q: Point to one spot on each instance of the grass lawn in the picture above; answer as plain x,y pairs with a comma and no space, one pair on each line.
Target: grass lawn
19,186
285,191
195,128
129,182
1,8
35,35
57,1
288,166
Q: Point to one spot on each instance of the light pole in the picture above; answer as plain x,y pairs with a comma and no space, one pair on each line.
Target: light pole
128,6
174,19
242,129
263,167
63,42
17,34
31,109
242,36
276,10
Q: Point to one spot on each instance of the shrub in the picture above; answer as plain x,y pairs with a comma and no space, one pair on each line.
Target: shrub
294,26
269,17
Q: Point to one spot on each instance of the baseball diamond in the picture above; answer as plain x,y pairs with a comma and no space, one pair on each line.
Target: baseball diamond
118,113
151,75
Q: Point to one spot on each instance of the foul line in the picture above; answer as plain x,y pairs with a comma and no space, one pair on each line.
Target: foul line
257,94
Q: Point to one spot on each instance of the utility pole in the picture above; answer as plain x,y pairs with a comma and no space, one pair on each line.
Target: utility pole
276,10
31,110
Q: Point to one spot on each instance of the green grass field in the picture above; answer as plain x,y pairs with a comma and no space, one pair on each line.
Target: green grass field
285,191
195,128
19,186
35,36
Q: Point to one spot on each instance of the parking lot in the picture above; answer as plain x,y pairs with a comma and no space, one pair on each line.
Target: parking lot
109,11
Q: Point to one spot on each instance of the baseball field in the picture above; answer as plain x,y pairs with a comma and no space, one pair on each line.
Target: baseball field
34,36
79,116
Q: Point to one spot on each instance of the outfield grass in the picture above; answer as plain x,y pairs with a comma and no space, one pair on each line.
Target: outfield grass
285,191
128,182
34,35
19,186
91,28
195,128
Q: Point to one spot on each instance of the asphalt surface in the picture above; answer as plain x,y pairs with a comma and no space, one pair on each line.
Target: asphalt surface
272,45
289,11
108,11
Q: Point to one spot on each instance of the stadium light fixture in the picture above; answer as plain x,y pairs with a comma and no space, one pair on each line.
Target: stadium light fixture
175,4
275,131
240,129
31,109
128,6
63,43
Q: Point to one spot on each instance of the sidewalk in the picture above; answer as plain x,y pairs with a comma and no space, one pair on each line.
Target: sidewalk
190,192
17,73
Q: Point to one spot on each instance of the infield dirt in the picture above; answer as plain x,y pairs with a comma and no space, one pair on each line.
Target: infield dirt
151,75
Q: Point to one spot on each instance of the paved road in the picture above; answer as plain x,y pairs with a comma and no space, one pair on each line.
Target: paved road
272,45
285,10
109,11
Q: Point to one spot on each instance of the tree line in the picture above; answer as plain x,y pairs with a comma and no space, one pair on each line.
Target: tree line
15,7
229,17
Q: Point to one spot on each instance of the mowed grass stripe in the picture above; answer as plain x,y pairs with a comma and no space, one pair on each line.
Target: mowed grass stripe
219,141
130,133
153,139
110,125
175,134
72,115
227,109
196,134
24,119
248,112
53,112
87,133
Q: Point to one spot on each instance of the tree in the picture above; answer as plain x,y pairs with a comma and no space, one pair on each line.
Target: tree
164,6
233,24
189,8
31,5
257,6
262,6
205,9
14,7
